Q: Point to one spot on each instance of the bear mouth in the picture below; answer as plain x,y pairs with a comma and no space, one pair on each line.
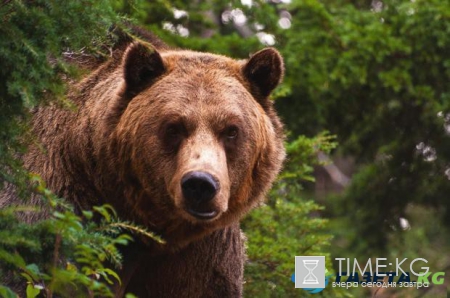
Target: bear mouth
202,215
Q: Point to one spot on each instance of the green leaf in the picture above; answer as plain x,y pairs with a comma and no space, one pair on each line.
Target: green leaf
31,291
6,292
113,274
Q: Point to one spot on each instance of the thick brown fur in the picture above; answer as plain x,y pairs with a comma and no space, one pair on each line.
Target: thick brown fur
144,119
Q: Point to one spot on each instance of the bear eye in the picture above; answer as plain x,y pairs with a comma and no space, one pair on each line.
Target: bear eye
231,132
172,135
173,130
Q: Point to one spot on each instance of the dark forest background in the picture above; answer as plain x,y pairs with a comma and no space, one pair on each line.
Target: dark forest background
365,100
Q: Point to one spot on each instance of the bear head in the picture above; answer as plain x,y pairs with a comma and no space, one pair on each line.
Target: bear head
195,139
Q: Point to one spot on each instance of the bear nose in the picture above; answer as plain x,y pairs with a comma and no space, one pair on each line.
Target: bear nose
198,189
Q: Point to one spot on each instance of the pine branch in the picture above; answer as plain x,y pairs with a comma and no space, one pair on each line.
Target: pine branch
138,230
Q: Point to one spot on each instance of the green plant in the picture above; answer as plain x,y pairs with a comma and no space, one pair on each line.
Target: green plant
65,253
288,225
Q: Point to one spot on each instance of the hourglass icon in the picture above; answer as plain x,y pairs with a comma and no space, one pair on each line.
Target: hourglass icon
310,278
309,272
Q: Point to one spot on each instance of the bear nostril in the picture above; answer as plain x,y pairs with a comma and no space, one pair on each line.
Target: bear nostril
198,187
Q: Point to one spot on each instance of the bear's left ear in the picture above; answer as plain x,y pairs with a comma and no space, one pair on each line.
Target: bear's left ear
142,64
264,70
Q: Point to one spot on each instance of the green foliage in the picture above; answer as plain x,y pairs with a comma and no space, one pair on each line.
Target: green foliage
376,76
273,242
34,34
302,156
287,226
64,253
206,31
378,79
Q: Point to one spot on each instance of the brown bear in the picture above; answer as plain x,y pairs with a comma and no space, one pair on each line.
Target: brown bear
182,142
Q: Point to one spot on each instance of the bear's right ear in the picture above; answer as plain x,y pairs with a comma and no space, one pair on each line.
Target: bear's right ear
141,65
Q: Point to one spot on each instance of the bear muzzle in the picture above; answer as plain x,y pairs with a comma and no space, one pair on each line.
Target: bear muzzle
199,190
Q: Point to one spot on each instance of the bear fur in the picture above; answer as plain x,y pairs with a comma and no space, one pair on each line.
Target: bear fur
144,121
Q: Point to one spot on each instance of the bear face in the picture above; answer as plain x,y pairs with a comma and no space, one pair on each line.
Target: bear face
194,138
